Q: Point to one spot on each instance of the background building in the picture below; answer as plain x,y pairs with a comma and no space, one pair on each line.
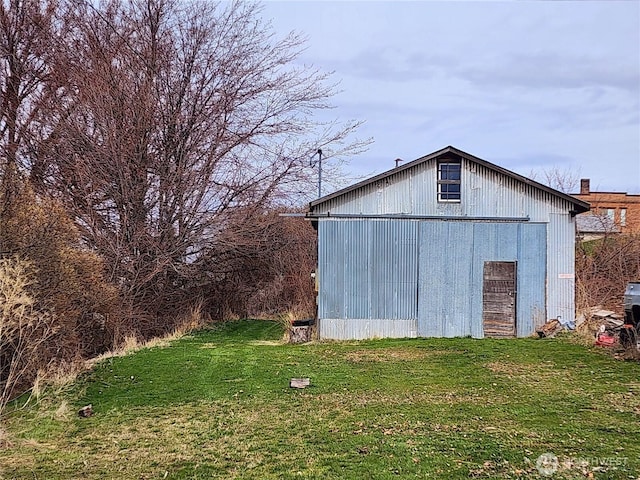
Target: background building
622,209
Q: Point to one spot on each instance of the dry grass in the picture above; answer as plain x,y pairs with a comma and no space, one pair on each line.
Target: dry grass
5,441
193,320
391,355
63,412
528,373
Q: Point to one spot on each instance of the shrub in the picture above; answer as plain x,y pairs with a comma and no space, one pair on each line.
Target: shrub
603,268
65,297
23,329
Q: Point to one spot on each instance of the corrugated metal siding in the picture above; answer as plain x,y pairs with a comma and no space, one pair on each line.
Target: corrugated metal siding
393,278
452,256
367,271
532,273
445,272
545,252
485,193
393,258
362,328
561,279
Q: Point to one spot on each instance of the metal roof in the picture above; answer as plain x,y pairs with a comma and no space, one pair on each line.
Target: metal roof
579,205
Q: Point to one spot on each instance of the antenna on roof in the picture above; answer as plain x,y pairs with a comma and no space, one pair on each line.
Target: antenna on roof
398,160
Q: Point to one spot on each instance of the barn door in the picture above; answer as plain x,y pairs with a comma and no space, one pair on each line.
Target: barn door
499,299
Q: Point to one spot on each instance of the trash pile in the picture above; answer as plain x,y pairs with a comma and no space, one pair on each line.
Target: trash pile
603,325
596,322
555,326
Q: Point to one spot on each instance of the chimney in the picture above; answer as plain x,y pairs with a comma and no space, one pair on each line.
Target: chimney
584,186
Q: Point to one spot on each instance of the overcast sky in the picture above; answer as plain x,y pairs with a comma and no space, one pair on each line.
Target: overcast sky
528,86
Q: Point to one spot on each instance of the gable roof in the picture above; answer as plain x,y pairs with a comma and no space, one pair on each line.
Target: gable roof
579,205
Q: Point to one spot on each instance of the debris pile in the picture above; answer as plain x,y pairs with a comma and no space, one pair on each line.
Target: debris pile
603,325
555,326
550,329
596,322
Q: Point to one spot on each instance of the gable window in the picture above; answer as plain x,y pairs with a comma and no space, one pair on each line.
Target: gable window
449,181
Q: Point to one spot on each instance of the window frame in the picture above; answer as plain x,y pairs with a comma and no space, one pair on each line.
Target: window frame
444,195
611,213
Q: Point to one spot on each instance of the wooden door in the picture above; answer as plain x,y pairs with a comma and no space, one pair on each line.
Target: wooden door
499,299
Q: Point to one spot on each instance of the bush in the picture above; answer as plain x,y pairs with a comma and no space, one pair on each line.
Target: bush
23,329
603,268
261,267
44,262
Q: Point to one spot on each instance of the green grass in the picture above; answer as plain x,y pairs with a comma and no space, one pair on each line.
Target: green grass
217,404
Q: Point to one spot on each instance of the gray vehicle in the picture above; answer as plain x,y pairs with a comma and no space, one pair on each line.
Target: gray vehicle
630,332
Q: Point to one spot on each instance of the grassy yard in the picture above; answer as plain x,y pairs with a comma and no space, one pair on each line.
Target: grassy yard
217,404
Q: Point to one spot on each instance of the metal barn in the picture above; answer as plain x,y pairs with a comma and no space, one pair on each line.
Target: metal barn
447,245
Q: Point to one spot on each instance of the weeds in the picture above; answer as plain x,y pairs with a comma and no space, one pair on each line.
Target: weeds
23,329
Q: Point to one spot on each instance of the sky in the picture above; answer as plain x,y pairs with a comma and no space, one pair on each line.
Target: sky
529,86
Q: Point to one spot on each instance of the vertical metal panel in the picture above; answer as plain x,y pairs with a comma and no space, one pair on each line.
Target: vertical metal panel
393,252
378,276
354,266
452,255
343,269
532,272
444,307
368,274
561,263
330,272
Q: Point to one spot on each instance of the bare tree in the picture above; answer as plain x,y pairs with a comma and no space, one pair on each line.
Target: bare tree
563,180
26,31
177,116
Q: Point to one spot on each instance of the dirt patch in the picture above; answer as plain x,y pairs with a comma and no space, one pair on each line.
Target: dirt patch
624,402
526,372
391,355
272,343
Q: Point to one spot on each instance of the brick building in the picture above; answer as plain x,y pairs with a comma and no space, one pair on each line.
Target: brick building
621,208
